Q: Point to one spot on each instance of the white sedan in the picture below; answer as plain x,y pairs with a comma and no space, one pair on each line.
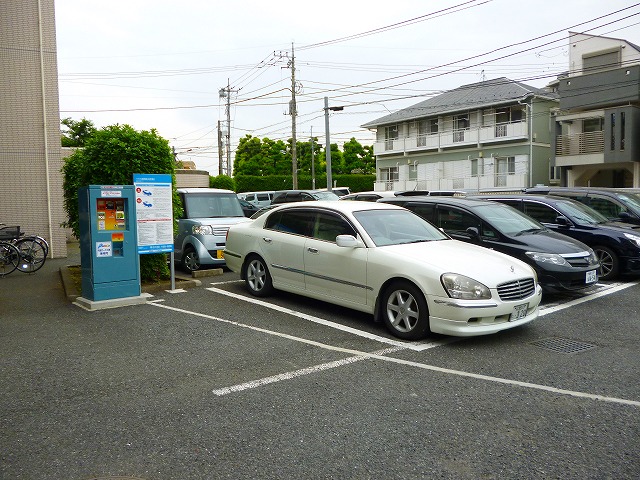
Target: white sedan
387,261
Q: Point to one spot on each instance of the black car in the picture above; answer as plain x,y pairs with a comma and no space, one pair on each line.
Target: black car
560,262
617,245
248,208
617,204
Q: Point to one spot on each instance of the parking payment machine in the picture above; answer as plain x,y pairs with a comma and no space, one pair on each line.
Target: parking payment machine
108,242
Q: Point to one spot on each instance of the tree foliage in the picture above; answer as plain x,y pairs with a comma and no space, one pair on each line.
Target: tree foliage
222,181
76,133
111,156
266,157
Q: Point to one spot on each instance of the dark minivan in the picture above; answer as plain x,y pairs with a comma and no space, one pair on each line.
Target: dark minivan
617,204
560,262
617,245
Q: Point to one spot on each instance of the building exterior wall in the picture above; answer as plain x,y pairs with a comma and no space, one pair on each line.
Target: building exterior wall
30,151
192,178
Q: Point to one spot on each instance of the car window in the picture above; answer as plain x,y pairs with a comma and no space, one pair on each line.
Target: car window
505,219
263,197
542,213
297,222
425,210
580,213
212,205
328,226
606,206
323,196
454,220
393,227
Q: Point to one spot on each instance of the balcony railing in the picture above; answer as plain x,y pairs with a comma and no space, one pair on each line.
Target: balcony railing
455,138
580,143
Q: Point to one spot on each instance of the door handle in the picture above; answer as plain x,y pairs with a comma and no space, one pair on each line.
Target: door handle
266,239
312,250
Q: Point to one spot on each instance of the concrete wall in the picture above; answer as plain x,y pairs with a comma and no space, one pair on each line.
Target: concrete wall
30,152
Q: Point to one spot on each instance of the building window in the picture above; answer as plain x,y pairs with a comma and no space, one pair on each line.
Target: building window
460,124
389,175
433,125
613,131
554,173
390,134
622,130
592,125
477,167
422,133
504,166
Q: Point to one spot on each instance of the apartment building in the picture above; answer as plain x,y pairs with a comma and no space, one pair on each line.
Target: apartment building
30,152
596,129
491,134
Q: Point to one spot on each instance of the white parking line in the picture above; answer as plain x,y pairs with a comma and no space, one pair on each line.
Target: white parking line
424,366
416,346
592,296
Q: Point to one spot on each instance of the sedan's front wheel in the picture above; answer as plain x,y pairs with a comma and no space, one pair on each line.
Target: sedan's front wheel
609,263
404,311
257,277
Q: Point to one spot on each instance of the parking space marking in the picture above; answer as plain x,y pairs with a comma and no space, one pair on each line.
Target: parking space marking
592,296
410,363
299,373
417,346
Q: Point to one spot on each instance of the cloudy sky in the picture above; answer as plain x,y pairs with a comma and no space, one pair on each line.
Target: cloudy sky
161,63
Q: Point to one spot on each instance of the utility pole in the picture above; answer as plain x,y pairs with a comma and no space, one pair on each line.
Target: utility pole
220,152
225,92
327,148
293,111
313,163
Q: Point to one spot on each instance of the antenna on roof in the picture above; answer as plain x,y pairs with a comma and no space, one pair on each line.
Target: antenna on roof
482,74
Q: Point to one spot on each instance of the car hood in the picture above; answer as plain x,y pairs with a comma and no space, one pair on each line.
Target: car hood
550,242
621,227
487,266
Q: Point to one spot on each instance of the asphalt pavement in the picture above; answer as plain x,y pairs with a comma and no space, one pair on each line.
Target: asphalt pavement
210,384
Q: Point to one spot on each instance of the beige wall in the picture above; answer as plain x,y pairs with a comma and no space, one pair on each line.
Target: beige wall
30,152
192,178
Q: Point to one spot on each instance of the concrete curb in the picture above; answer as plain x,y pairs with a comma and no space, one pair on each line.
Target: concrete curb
72,292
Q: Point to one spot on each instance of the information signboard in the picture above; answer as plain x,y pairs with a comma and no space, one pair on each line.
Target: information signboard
154,212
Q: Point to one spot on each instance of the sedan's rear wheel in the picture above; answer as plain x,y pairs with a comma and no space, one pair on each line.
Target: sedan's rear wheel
404,311
257,277
609,262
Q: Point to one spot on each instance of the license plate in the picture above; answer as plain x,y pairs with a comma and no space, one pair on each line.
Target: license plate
592,276
519,312
220,254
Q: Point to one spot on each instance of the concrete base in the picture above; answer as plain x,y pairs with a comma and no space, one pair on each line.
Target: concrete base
111,303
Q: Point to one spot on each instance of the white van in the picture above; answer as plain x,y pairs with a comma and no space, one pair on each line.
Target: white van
259,199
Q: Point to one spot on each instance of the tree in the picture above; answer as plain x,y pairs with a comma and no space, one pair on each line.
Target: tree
357,158
76,133
110,157
222,181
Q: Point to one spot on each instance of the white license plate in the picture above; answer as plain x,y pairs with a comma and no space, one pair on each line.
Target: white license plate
519,312
592,276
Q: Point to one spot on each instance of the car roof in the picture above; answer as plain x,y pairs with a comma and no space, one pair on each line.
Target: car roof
442,200
344,207
609,190
204,190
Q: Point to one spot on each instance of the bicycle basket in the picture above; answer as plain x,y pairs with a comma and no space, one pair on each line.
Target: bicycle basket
9,233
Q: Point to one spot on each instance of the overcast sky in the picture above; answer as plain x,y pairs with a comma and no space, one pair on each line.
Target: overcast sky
161,63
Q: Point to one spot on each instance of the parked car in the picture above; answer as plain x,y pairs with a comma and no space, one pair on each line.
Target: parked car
339,191
387,261
369,196
617,204
561,262
248,208
202,229
289,196
617,245
259,199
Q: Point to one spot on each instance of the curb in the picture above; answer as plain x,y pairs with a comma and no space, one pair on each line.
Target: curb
72,292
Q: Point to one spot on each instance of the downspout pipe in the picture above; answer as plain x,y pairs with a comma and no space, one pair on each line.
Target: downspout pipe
529,107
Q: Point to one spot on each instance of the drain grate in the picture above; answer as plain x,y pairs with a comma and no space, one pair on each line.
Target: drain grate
562,345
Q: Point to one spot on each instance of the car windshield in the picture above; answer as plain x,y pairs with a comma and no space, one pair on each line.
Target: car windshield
580,213
507,220
325,196
212,205
632,200
393,227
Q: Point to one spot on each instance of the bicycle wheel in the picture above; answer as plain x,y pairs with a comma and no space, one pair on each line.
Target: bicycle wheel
9,258
32,254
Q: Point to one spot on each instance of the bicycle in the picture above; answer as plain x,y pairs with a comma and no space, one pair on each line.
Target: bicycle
33,249
9,258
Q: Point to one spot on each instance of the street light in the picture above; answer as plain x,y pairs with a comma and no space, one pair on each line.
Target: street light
328,141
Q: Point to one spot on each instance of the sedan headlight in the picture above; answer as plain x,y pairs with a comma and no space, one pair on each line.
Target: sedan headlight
546,258
464,288
634,238
202,230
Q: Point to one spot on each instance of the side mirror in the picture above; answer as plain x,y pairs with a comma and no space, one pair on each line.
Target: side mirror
563,221
348,241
